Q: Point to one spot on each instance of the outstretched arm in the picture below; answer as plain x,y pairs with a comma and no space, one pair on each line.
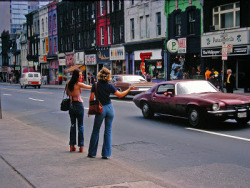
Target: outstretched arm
84,86
124,93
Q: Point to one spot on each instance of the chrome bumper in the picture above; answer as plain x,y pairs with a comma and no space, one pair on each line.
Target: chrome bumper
227,111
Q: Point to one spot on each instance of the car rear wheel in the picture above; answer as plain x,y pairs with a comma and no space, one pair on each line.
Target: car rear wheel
146,111
194,117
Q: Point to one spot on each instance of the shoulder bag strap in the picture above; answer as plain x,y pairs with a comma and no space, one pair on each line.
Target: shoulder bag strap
96,92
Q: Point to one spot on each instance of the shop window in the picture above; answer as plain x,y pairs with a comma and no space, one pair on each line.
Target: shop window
226,16
191,22
178,24
132,29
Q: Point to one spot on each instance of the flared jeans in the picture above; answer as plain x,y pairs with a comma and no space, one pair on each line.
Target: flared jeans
107,116
76,112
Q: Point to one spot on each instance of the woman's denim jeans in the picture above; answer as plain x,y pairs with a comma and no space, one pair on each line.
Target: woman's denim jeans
108,115
76,112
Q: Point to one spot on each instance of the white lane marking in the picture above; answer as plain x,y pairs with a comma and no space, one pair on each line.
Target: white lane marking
36,99
219,134
7,94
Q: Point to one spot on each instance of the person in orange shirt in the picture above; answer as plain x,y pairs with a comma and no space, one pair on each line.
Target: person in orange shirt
207,73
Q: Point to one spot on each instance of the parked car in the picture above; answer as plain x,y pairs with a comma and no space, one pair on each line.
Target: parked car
123,82
30,79
198,100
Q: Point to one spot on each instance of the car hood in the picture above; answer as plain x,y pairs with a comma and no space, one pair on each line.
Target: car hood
227,98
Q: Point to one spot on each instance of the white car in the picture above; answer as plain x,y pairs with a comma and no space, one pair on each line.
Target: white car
30,79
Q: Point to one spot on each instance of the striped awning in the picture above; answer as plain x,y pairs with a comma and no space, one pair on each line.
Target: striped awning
72,68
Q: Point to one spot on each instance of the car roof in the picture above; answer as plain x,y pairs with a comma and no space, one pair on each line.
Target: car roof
126,75
178,81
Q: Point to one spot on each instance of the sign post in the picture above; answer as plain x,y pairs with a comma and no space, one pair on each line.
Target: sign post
224,57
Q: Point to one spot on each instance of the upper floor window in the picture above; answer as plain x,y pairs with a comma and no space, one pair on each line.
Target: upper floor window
101,7
49,23
73,42
73,17
102,36
113,34
132,28
79,40
158,23
141,27
226,16
147,26
93,10
61,21
54,21
191,22
178,24
55,45
61,44
112,6
42,25
120,5
132,2
121,32
78,15
109,41
108,6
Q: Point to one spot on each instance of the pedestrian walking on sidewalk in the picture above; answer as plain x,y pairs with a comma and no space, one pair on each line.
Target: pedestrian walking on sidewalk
229,81
104,90
76,110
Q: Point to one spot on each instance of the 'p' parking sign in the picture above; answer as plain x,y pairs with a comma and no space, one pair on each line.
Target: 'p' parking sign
172,46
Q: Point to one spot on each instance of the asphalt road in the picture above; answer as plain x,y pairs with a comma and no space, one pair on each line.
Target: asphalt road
165,148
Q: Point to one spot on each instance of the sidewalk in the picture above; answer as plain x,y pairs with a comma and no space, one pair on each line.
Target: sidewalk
30,157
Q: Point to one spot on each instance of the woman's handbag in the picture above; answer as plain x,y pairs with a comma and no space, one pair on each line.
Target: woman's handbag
95,107
65,104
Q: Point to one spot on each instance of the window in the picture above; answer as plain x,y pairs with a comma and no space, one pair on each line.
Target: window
78,15
121,33
101,7
49,23
87,11
43,46
55,45
61,21
132,2
147,27
50,46
93,10
54,21
141,27
79,40
120,5
226,16
73,17
73,42
42,25
61,44
165,88
102,36
112,6
108,6
158,23
109,42
113,34
191,22
178,24
132,28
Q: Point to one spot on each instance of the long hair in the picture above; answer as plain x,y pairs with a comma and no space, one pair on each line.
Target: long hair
104,75
74,79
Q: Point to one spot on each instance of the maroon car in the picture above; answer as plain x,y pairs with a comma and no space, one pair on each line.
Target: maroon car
198,100
124,81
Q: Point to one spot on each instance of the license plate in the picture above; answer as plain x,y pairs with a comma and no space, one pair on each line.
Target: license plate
242,115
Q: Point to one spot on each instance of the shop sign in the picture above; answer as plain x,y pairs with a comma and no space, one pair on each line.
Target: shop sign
47,44
117,53
224,52
234,38
62,62
172,46
90,59
158,64
237,50
70,59
156,54
103,56
182,45
79,58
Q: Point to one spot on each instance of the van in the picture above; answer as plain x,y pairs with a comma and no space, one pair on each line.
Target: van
30,79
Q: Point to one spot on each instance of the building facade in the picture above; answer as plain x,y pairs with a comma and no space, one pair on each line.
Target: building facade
145,27
227,25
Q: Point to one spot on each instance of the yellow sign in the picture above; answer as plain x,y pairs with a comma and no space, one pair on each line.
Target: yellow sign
47,44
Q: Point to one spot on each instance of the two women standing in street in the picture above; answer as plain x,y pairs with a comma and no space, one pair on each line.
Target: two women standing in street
76,110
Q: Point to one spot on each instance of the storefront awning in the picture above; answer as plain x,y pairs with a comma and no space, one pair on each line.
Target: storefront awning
72,68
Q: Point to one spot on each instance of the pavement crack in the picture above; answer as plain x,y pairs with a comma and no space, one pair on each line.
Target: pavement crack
14,169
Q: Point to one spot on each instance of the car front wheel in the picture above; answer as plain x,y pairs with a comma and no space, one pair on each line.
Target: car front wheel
146,111
194,117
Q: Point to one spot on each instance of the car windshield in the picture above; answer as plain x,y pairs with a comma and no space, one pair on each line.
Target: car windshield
133,78
194,87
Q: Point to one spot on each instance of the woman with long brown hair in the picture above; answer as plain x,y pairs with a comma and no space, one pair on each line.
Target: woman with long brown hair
76,110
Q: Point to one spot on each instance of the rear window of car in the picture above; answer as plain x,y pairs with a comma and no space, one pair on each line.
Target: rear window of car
36,75
30,75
